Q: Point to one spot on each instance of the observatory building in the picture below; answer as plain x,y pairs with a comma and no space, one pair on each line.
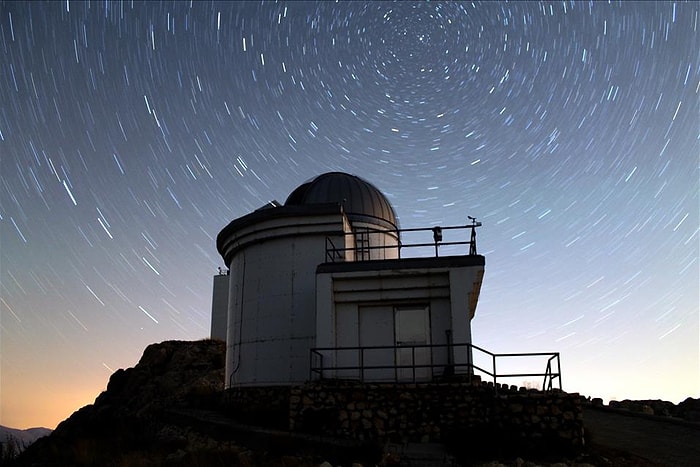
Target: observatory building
328,286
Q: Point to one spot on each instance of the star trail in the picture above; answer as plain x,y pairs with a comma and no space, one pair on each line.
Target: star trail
132,132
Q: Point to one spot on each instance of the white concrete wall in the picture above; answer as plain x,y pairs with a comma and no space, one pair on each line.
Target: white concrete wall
272,305
353,309
462,284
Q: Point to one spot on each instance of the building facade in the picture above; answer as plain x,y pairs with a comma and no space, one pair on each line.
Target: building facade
324,287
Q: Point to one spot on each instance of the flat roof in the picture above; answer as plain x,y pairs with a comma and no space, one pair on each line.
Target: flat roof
402,263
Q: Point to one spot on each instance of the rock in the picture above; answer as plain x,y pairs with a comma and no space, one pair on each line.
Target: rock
246,459
689,409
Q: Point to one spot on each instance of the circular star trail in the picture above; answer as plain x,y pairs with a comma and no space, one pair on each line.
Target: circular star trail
132,132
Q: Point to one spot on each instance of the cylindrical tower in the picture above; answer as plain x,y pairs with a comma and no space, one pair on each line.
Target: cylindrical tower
273,254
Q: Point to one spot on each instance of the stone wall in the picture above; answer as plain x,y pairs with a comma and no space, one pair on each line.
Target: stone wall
476,416
262,406
457,412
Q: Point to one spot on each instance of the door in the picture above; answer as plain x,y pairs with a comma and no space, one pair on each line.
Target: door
377,339
412,328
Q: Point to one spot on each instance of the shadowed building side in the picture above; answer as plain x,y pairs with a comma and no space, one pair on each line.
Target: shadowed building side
219,306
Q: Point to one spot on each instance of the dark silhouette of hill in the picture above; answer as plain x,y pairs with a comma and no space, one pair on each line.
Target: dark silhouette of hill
167,410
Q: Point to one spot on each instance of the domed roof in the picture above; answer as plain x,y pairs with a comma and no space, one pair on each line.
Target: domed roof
360,199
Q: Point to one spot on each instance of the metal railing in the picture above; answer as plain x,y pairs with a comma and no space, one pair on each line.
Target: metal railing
417,363
551,373
364,246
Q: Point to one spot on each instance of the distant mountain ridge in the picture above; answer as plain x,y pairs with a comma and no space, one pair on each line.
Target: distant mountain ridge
20,438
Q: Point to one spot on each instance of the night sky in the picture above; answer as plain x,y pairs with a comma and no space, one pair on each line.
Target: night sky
131,133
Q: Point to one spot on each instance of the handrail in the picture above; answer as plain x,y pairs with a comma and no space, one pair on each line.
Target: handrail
319,368
549,375
332,252
362,247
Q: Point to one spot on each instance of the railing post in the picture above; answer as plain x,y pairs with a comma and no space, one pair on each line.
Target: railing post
413,361
472,246
558,370
495,373
470,360
474,225
362,364
450,355
437,238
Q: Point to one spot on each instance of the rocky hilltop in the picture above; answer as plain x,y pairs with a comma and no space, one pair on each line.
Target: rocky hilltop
171,409
126,423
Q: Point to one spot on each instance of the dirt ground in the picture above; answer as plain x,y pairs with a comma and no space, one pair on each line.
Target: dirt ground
654,439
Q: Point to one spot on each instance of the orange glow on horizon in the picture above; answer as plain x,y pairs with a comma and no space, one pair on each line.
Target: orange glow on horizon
45,406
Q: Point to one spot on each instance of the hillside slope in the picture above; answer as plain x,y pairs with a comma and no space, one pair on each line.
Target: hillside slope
167,410
125,426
